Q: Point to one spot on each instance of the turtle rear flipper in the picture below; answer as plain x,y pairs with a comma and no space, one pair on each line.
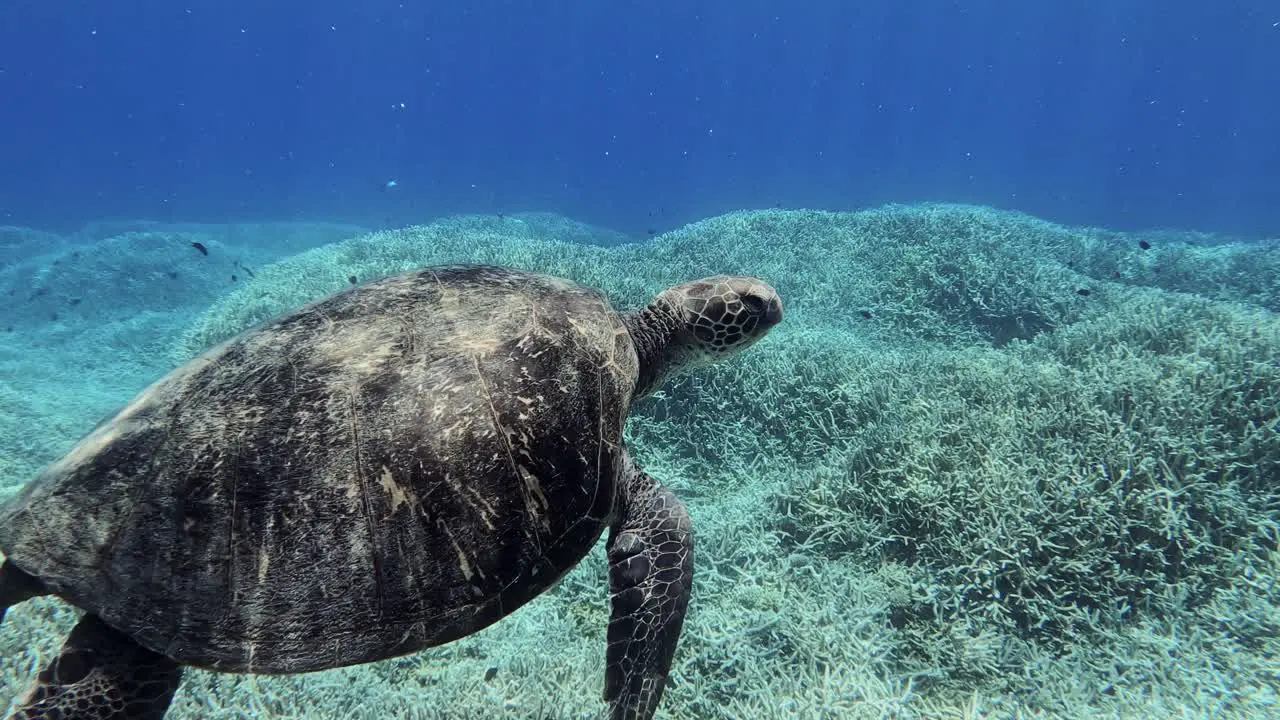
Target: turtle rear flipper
102,675
650,580
16,586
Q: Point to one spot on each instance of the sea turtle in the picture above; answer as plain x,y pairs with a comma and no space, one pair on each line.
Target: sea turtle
393,467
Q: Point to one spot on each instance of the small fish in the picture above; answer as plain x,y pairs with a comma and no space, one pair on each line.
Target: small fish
1144,244
233,278
866,314
490,673
200,246
74,301
244,267
1115,273
173,274
352,279
1083,292
651,232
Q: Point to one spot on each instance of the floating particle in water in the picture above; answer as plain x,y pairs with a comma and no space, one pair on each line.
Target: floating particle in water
200,246
1083,292
352,279
1144,244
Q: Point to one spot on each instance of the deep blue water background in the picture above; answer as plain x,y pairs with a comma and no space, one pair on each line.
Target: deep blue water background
637,115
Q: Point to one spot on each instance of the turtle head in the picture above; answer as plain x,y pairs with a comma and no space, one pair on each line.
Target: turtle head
701,322
718,316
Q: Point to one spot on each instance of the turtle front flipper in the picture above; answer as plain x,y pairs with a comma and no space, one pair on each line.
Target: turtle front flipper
650,579
100,675
16,586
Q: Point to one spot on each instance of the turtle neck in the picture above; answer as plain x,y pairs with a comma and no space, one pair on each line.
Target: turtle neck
653,331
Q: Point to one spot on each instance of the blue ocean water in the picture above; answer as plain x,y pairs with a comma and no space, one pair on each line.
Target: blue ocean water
634,115
1013,451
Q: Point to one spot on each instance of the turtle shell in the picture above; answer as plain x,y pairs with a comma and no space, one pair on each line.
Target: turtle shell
393,467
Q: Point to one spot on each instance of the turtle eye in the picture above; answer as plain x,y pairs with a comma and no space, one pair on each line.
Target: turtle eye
754,303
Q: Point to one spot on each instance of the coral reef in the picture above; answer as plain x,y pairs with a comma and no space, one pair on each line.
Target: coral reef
989,466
